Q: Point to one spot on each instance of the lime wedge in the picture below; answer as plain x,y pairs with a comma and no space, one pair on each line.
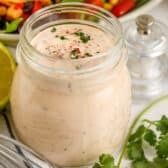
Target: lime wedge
7,68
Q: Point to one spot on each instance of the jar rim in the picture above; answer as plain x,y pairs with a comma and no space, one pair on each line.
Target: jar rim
97,10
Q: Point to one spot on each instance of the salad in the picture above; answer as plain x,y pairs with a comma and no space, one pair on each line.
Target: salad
118,7
13,13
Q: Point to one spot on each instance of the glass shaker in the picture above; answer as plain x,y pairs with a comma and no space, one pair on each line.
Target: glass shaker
147,41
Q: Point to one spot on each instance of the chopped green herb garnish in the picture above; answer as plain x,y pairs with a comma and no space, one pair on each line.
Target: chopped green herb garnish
83,37
75,53
78,33
63,38
53,30
88,54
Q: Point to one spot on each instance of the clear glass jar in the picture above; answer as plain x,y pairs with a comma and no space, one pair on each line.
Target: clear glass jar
15,155
71,117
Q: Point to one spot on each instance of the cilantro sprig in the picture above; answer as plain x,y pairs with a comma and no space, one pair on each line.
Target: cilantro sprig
155,133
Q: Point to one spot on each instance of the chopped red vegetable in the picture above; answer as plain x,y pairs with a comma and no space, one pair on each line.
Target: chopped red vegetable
19,6
25,16
123,7
37,6
96,2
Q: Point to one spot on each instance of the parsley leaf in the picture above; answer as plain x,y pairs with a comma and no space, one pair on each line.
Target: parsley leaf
105,161
150,137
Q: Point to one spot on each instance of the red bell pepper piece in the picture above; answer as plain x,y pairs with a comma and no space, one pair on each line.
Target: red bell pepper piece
37,6
96,2
123,7
19,6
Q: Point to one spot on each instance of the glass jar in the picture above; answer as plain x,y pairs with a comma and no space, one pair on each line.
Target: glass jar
71,117
15,155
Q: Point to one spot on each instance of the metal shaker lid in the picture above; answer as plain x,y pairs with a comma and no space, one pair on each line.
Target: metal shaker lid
147,36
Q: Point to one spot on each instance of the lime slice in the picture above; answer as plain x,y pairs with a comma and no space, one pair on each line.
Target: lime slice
7,68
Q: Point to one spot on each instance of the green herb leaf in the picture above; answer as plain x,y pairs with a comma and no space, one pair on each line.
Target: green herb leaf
13,26
162,125
150,137
63,38
162,147
105,161
83,37
135,151
150,134
138,134
140,164
53,29
159,163
97,165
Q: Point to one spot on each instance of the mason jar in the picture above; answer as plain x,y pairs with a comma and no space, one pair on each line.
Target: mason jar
71,116
16,155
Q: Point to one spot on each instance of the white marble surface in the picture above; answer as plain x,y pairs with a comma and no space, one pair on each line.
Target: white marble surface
161,11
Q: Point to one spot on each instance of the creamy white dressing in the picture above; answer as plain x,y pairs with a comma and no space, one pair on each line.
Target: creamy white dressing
67,46
59,41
